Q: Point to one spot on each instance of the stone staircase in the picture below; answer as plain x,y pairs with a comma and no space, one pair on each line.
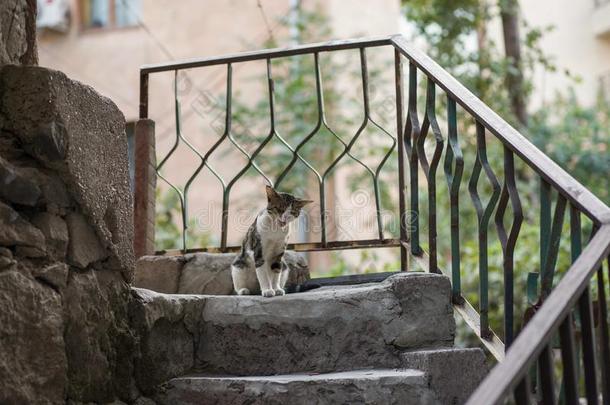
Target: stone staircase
379,343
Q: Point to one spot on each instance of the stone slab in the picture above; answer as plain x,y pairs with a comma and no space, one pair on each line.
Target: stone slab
159,273
327,329
202,273
387,386
453,374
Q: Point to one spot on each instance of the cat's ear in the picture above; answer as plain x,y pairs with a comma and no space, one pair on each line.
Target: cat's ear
302,203
271,193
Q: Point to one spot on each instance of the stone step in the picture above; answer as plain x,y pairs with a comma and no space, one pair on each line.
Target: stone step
373,386
453,374
449,376
328,329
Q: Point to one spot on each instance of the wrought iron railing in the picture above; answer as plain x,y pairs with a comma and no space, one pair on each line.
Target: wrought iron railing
421,146
322,123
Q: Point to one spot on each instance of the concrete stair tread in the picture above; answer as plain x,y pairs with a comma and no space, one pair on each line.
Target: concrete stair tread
311,377
322,330
369,386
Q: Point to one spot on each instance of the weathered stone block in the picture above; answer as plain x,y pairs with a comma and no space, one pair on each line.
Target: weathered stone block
33,364
55,231
167,327
80,136
202,273
99,342
18,32
15,187
403,386
159,273
6,258
30,251
316,330
15,230
84,247
55,274
55,197
210,273
453,374
322,330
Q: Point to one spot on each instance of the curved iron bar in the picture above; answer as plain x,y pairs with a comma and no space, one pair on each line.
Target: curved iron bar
368,118
604,332
550,262
203,161
429,168
251,162
314,132
347,147
454,179
410,136
386,156
216,144
180,193
483,216
295,151
545,220
378,172
508,239
321,122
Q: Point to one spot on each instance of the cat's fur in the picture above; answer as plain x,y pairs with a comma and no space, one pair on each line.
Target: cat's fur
260,262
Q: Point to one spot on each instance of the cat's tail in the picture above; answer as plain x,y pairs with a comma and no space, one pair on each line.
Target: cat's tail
298,288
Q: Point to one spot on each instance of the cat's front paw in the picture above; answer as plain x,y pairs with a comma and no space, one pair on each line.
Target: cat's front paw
268,293
279,292
243,291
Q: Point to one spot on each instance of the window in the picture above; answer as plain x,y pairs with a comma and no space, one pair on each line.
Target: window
53,15
110,13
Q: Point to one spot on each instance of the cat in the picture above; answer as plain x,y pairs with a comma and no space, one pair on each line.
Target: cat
260,262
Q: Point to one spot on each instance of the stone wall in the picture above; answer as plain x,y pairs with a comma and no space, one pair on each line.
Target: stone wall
66,258
18,32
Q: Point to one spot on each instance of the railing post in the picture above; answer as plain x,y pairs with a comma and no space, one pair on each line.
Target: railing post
144,188
404,254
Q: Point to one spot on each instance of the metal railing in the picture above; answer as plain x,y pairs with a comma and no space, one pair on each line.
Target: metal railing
322,123
553,310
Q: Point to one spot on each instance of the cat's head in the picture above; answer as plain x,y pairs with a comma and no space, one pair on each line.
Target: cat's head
285,207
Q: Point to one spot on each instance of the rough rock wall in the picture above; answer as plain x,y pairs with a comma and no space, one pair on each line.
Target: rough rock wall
65,242
18,32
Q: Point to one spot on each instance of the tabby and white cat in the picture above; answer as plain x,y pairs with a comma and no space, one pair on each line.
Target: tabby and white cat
260,263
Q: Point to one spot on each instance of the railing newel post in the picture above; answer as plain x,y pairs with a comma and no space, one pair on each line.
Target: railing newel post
145,181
